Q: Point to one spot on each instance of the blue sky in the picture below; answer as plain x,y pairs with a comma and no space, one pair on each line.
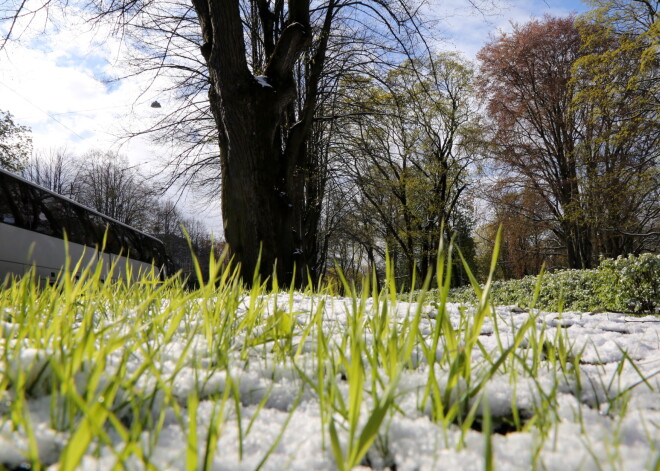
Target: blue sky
76,63
55,81
467,29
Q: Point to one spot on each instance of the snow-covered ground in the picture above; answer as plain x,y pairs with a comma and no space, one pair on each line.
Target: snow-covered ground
605,415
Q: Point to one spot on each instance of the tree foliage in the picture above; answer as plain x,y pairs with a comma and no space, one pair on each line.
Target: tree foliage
590,158
618,87
406,152
622,45
15,143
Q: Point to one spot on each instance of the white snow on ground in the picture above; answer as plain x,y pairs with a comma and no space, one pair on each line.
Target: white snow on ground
605,417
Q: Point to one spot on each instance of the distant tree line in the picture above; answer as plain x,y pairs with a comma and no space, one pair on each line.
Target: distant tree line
105,182
335,135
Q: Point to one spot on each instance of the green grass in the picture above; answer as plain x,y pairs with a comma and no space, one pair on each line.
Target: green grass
101,352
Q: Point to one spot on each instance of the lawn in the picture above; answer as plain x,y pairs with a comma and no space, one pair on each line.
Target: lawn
149,376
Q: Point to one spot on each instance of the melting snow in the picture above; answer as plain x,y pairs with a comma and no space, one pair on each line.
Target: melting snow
588,431
263,81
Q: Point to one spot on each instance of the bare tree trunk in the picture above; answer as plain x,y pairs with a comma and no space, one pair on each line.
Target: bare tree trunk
260,216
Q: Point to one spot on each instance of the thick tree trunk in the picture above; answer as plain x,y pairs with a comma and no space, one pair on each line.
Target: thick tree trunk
259,214
261,218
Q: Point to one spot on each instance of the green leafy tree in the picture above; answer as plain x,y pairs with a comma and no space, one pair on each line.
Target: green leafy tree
617,82
621,41
15,143
584,145
407,152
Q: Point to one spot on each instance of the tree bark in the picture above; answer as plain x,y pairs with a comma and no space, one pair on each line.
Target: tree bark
261,219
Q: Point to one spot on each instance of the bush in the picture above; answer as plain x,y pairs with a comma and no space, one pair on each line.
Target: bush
624,284
636,281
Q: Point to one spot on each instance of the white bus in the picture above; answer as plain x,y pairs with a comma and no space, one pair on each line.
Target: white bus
33,224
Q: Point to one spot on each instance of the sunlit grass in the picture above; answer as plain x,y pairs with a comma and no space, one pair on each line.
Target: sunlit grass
118,362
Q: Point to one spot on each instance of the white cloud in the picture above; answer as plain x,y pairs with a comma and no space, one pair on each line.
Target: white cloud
57,89
468,28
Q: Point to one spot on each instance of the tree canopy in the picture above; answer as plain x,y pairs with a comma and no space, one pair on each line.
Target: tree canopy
15,143
582,138
406,152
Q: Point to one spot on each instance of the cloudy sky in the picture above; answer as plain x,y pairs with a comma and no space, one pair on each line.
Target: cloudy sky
56,80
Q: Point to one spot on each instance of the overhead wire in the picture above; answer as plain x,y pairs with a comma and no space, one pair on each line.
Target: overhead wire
52,115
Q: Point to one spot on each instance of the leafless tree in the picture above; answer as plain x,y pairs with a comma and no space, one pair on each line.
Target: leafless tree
54,169
106,183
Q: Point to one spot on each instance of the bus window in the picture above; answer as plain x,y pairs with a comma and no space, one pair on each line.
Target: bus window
87,234
129,244
148,253
76,224
158,255
113,239
139,248
30,210
97,230
50,216
8,209
14,198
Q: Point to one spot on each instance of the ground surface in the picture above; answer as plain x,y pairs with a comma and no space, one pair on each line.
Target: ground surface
600,411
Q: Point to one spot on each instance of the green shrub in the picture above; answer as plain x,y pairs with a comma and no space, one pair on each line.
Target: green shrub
624,284
631,283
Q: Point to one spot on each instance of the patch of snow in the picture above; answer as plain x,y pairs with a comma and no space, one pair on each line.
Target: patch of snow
263,81
610,418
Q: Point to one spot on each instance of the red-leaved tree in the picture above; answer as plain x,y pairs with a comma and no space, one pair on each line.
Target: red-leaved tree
526,80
